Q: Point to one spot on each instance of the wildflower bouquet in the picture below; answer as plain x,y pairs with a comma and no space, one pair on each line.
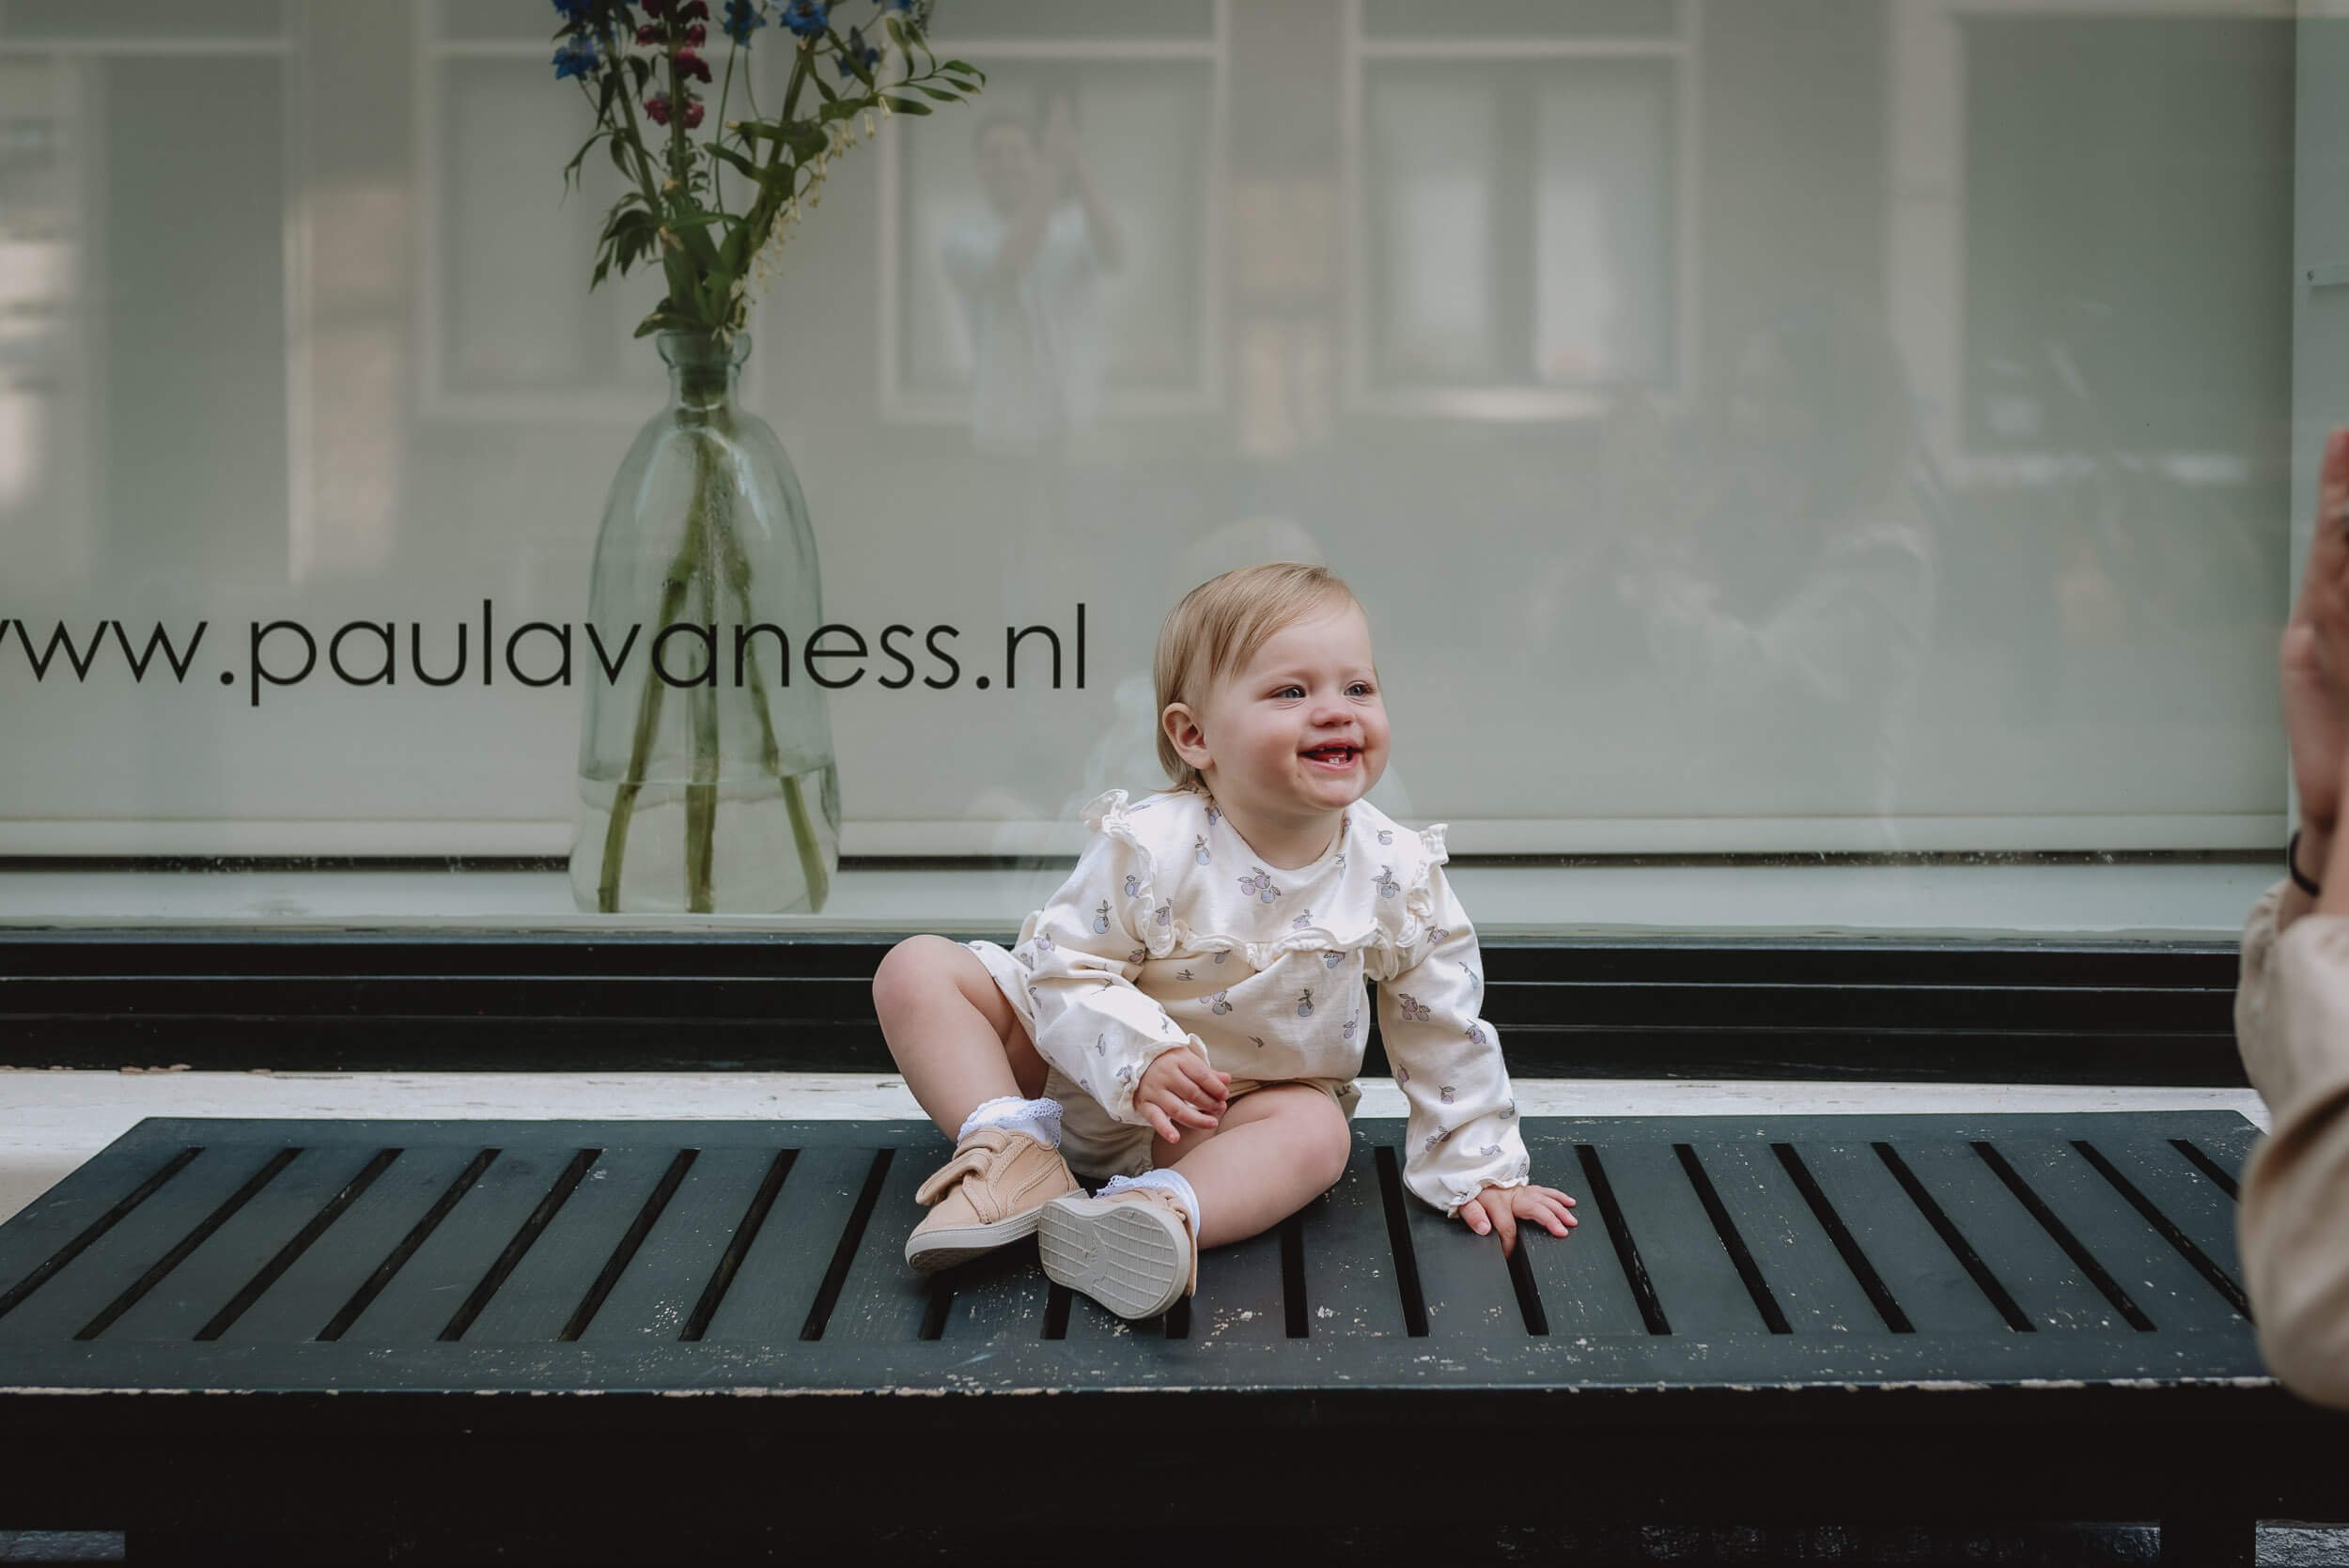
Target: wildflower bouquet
705,522
648,56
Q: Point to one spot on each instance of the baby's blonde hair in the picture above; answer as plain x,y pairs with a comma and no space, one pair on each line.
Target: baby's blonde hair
1219,626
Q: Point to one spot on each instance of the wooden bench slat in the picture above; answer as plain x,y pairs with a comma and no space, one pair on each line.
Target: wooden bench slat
2200,1209
1464,1283
1240,1295
75,1294
656,1294
423,1297
189,1299
2046,1287
881,1298
85,1204
1696,1283
315,1286
997,1298
1807,1276
2157,1279
1350,1282
1581,1281
783,1269
1919,1270
644,1237
550,1280
1090,1323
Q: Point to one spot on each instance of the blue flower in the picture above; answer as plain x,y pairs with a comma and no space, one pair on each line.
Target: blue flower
860,51
577,57
807,18
575,11
741,16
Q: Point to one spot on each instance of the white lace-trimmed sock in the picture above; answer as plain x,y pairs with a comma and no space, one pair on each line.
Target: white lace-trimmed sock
1165,1177
1038,1119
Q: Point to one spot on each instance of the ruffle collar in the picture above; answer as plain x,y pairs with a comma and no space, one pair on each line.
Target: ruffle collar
1157,829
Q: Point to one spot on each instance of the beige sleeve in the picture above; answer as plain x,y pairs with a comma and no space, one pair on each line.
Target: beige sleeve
2292,1023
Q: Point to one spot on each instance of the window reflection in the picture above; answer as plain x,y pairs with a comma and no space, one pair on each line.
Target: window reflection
1793,428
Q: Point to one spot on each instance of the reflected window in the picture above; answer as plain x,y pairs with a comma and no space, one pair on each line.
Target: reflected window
1519,189
136,283
1115,310
511,329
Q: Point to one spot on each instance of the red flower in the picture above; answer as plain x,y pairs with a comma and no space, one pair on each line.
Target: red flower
649,36
657,106
693,10
692,64
654,8
695,34
693,113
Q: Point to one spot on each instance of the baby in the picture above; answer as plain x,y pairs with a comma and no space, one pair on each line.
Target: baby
1185,1016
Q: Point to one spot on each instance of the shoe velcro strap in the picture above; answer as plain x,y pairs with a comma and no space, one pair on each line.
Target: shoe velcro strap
970,1161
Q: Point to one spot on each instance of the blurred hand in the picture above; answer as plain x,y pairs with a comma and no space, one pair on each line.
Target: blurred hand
2315,656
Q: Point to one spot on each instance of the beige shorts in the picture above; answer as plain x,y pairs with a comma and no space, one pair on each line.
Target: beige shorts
1096,1144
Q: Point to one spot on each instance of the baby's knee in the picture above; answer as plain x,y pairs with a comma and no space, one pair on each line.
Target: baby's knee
1330,1143
915,965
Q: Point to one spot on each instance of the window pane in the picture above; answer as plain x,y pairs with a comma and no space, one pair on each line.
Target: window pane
1817,429
142,20
1519,19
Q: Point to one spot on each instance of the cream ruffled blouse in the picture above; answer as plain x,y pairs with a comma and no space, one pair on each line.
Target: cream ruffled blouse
1171,932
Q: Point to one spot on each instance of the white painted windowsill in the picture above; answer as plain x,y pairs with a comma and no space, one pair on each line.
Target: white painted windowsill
2150,901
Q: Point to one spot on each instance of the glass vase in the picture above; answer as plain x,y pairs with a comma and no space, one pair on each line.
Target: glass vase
707,783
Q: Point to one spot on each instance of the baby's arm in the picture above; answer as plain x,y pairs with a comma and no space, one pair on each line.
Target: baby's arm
1092,1022
1462,1134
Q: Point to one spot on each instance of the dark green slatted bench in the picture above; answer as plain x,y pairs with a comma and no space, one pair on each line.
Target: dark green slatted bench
229,1337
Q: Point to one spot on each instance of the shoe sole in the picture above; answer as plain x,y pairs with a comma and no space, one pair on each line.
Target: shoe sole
930,1251
1130,1257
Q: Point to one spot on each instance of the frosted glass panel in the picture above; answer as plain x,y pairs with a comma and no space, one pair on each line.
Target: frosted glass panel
142,20
192,285
1145,134
1520,17
1435,167
1603,260
1756,426
519,247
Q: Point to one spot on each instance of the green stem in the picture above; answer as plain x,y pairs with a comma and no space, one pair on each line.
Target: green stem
701,795
804,838
673,583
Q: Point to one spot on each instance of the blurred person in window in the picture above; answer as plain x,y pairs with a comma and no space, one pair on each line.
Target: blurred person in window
1028,273
1789,600
2291,999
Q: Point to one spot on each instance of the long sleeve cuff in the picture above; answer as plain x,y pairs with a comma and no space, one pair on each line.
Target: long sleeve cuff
2292,1023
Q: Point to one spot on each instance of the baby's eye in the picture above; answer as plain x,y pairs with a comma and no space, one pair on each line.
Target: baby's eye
1286,689
1361,686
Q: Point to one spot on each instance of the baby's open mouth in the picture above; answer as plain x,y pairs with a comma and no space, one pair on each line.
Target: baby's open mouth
1333,757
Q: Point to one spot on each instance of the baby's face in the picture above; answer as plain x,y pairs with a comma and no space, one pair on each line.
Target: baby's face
1311,686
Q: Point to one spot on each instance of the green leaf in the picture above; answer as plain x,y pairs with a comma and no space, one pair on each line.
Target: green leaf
665,320
935,94
906,106
739,163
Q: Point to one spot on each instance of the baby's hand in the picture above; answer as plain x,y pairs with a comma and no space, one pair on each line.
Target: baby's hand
1500,1207
1179,1086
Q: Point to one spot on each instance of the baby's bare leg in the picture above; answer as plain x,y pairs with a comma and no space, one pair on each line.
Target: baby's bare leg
951,1031
1272,1153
